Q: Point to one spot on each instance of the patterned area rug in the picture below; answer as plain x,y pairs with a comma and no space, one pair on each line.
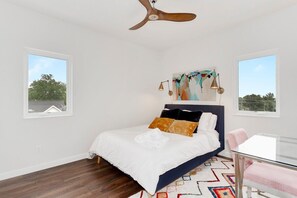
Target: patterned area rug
213,179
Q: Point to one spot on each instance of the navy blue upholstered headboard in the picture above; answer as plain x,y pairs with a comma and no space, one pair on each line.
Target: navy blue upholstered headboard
215,109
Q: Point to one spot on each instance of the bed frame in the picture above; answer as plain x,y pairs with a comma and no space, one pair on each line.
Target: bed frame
184,168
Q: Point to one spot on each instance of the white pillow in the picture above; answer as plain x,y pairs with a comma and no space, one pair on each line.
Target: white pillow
204,121
212,122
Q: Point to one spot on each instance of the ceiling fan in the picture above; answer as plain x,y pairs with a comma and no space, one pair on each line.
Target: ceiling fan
154,14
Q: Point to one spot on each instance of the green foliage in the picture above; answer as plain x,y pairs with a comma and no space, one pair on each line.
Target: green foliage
47,88
255,102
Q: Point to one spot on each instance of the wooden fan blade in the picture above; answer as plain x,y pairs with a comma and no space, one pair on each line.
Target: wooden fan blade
139,25
177,17
146,4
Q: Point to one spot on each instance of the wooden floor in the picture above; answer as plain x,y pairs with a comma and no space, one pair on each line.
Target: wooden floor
84,178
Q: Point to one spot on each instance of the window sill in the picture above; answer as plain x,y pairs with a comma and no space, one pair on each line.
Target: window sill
47,115
257,114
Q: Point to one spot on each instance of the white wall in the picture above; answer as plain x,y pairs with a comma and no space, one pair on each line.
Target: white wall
115,85
276,31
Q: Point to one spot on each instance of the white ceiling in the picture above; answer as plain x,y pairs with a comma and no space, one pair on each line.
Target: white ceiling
115,17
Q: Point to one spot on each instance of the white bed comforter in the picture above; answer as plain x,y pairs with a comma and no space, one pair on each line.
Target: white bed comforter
144,164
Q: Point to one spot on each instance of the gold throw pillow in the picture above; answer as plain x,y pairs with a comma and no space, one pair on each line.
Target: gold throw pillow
183,127
162,123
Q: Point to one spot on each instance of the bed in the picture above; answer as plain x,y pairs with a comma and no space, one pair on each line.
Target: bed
148,169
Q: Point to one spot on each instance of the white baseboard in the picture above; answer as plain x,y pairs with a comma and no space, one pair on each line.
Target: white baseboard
31,169
226,153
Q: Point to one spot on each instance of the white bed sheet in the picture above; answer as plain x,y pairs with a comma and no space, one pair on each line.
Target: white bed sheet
145,165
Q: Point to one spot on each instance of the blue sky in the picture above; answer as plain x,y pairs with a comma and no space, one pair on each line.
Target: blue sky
257,76
44,65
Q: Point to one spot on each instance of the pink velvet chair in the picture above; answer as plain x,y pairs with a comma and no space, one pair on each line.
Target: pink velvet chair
276,180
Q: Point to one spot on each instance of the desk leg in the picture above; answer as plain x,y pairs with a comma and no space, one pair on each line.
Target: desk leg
239,161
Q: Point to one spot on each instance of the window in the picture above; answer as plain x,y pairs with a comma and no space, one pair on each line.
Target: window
48,86
257,85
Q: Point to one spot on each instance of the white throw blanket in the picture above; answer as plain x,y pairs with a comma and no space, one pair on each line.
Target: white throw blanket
152,139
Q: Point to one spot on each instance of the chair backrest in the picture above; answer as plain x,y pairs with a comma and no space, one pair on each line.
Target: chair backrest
235,138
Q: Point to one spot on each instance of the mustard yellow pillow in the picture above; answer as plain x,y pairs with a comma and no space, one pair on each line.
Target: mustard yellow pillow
162,123
183,127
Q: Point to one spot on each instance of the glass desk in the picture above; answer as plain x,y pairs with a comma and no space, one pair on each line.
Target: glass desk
273,149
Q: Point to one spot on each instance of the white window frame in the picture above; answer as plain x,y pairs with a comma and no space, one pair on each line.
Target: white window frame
273,52
69,84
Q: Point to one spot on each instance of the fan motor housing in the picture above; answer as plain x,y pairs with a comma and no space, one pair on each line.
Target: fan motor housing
153,17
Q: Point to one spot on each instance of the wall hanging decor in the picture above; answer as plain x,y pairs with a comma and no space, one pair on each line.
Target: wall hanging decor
195,85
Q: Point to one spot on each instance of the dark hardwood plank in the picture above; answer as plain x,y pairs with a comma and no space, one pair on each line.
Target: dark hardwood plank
82,179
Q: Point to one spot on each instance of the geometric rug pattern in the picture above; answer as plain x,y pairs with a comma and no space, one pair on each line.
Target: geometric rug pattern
213,179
